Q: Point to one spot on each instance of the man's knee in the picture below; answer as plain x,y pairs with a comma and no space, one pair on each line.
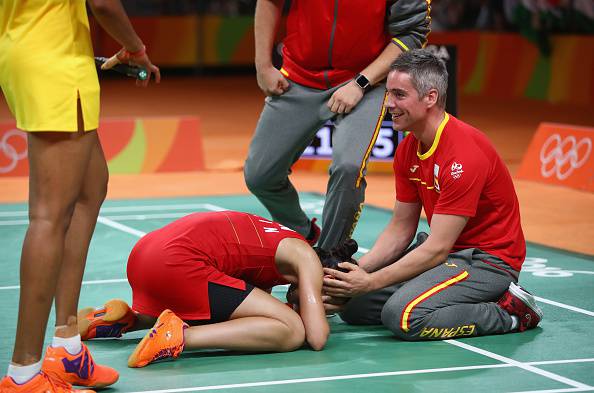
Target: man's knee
401,324
255,179
360,311
345,170
267,174
358,318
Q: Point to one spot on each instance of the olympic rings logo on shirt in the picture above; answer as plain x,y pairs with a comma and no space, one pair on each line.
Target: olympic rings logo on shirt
562,157
10,151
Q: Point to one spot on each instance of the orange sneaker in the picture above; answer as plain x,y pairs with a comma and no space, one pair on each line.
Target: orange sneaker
79,369
41,383
164,340
112,320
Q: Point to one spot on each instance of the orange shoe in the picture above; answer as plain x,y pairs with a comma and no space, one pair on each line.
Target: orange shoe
112,320
164,340
79,369
41,383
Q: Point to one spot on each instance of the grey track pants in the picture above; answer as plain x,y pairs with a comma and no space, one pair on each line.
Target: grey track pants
287,125
455,299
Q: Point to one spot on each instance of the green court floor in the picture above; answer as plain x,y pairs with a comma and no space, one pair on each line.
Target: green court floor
556,357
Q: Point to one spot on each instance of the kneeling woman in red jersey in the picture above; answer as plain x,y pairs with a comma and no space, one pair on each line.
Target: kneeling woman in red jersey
207,277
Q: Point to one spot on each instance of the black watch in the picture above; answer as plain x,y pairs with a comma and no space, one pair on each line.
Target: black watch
362,82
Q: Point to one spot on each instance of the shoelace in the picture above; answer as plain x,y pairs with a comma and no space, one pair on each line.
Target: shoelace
56,383
91,362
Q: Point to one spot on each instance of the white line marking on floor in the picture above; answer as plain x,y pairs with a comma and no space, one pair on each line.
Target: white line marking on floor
521,365
318,379
91,282
370,375
15,222
121,227
14,213
134,217
543,362
147,216
120,209
580,271
563,305
558,390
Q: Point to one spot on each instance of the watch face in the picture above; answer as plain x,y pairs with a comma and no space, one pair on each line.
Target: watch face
362,81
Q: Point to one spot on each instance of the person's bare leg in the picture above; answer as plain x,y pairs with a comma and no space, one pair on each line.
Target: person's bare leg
78,238
260,323
57,162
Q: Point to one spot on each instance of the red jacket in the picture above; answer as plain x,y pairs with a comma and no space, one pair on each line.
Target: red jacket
330,41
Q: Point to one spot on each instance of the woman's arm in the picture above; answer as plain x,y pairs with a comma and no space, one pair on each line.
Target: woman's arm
113,19
311,307
304,262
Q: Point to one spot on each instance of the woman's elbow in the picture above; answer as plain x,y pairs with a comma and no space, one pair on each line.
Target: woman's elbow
317,341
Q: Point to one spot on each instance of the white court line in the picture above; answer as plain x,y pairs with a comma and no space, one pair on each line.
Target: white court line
135,217
370,375
521,365
91,282
566,306
14,213
544,362
146,216
119,209
558,390
15,222
121,227
580,271
319,379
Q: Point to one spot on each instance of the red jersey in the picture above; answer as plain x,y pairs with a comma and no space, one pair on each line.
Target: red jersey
462,174
328,42
240,246
173,266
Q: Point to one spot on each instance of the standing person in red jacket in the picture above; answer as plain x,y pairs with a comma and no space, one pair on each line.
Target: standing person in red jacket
460,280
335,58
215,271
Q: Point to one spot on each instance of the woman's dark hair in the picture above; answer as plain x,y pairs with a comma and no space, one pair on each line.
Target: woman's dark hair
338,254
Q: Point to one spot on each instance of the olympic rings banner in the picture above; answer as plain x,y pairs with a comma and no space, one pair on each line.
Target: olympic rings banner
561,154
131,145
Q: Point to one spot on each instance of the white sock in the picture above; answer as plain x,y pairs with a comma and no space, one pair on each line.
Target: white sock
515,322
22,374
71,344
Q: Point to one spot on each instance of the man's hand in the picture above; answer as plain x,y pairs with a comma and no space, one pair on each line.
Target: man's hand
345,98
354,282
333,304
271,81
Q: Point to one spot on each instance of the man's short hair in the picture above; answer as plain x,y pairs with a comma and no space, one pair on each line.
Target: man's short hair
426,71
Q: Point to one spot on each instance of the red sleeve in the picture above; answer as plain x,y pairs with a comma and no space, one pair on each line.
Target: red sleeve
406,190
461,181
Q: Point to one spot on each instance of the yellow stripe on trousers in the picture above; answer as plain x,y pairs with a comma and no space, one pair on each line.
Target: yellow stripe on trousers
439,287
378,125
